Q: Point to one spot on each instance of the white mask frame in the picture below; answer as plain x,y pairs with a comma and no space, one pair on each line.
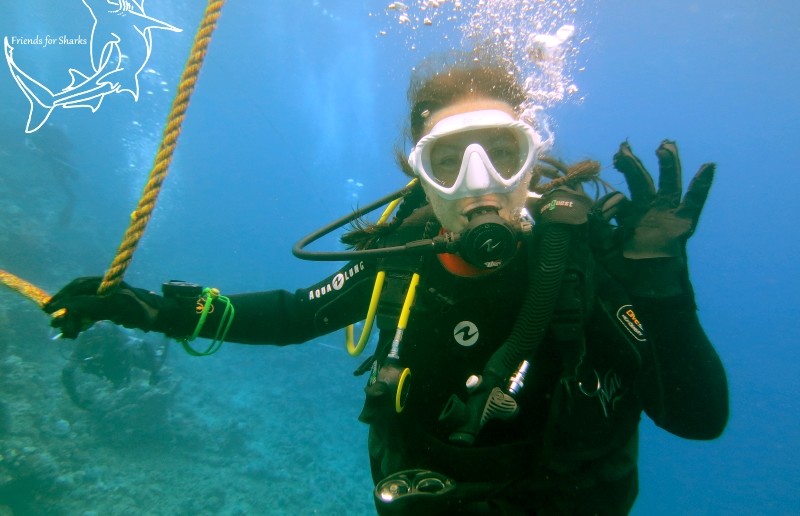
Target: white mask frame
477,175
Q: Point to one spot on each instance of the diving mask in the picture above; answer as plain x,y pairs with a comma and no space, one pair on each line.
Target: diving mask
475,153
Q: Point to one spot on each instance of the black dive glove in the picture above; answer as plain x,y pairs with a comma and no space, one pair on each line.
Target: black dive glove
646,252
126,306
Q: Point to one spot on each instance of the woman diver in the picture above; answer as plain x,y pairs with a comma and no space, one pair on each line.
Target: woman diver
515,356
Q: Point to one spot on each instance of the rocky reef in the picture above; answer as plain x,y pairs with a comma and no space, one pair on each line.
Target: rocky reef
246,431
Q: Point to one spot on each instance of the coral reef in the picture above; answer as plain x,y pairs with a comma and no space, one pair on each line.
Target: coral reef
214,436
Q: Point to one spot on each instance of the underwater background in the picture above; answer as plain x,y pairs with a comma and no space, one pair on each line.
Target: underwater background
296,114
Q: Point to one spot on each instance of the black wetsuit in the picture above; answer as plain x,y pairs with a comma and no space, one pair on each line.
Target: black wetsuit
573,447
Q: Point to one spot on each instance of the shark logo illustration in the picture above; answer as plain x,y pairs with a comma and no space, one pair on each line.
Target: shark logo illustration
119,49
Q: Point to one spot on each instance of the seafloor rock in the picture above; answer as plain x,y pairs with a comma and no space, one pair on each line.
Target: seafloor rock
26,472
136,413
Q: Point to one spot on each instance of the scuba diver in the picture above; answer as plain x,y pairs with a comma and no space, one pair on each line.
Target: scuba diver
110,352
523,326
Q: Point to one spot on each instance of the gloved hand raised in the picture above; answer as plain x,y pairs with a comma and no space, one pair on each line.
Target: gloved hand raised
127,306
647,250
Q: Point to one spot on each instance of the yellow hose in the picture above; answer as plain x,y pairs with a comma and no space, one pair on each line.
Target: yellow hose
349,335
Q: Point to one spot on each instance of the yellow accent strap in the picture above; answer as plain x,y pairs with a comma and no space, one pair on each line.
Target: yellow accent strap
169,140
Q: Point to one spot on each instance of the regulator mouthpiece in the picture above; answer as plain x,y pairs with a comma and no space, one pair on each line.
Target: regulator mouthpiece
489,241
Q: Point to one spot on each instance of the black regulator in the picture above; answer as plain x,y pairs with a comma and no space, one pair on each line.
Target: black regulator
489,241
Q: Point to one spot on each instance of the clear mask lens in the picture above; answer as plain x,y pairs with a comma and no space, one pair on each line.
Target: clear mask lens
475,153
505,150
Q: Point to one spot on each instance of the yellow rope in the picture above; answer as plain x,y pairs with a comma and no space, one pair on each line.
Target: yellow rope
169,139
29,290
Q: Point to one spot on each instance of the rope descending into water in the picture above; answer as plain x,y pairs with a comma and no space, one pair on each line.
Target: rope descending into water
141,215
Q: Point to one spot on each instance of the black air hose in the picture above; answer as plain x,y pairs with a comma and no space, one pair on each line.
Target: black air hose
559,215
548,266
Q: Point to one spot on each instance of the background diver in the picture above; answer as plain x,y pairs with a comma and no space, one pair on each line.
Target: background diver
513,365
112,353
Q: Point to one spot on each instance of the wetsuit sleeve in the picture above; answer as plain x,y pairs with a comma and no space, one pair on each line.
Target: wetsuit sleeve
683,385
278,316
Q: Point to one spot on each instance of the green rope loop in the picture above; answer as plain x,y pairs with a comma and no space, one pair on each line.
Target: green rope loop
210,295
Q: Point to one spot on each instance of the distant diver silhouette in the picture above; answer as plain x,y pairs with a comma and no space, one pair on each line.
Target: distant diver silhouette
117,56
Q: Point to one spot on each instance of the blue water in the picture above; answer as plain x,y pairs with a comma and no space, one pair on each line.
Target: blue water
296,113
